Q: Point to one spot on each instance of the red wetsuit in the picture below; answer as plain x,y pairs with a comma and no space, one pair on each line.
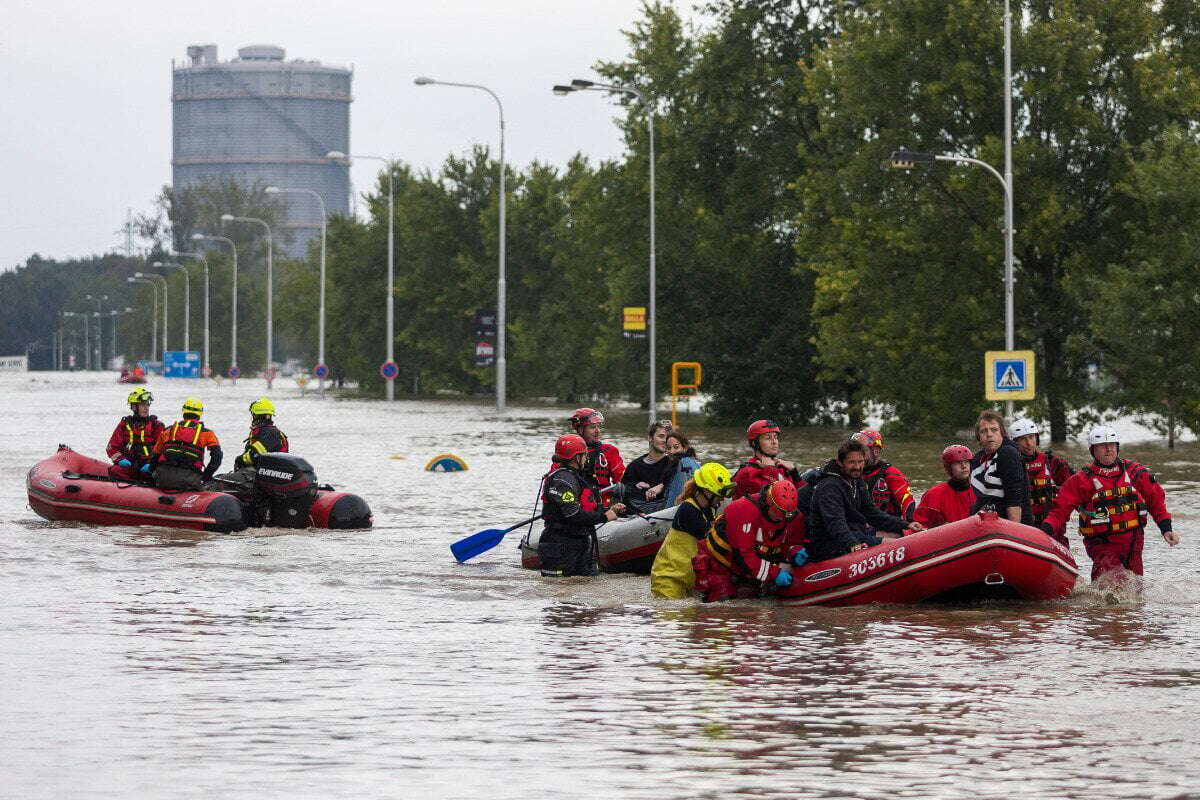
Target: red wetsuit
945,503
1046,473
134,438
742,552
752,476
890,491
1113,504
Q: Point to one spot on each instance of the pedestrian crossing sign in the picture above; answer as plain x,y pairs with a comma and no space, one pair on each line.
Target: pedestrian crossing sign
1008,375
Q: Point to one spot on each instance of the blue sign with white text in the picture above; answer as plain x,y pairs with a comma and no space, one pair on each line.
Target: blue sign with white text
181,364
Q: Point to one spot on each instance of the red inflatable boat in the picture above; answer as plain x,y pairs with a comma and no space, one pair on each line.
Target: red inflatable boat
70,486
981,557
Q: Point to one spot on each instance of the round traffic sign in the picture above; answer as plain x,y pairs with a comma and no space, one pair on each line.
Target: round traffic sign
206,372
389,370
321,371
234,372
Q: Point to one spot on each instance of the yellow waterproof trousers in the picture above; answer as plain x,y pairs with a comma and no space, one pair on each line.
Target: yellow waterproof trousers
672,577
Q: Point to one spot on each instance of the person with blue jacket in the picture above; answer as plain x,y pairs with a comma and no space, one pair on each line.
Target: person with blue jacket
680,450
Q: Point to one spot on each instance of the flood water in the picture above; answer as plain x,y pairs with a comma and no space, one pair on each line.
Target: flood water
155,663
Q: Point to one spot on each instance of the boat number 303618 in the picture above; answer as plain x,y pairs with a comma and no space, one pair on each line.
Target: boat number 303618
876,561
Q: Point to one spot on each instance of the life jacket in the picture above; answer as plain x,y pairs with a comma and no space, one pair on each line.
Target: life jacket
182,444
589,498
881,495
598,468
138,444
255,447
707,513
1116,510
1042,489
769,547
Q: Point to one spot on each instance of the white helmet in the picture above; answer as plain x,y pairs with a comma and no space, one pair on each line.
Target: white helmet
1102,434
1023,427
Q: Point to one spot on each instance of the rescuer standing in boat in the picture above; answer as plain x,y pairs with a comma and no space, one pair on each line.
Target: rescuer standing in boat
1114,497
951,500
181,449
604,466
131,446
571,511
1046,471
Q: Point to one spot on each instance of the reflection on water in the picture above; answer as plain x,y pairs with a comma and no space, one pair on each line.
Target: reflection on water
281,663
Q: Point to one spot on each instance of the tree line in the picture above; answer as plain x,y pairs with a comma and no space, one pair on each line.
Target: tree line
813,282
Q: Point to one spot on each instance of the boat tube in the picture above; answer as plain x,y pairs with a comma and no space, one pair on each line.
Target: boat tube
627,544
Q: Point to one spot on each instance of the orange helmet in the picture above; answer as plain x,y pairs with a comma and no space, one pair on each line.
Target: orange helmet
869,437
568,446
783,495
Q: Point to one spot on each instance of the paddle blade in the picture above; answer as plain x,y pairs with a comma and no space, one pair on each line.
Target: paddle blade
476,543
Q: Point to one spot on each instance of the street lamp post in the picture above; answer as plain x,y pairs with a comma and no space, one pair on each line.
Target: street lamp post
501,298
337,155
114,313
270,291
580,85
905,159
187,298
153,317
99,329
152,276
207,368
199,237
321,311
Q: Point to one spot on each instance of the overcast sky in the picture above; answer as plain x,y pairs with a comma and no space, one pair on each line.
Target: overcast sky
85,100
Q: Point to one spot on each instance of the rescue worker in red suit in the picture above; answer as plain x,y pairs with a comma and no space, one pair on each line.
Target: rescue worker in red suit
604,465
888,485
1046,471
131,446
949,501
765,467
1114,496
745,552
571,511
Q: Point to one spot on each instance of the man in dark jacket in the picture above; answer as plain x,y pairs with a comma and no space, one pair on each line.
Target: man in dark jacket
843,512
571,510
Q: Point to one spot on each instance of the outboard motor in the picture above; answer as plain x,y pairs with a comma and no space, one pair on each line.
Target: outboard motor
287,488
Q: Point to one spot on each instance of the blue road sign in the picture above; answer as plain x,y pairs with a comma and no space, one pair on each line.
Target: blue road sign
389,370
320,371
181,364
234,372
1009,375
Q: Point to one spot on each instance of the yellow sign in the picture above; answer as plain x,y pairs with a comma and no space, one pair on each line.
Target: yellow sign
634,319
1009,375
679,387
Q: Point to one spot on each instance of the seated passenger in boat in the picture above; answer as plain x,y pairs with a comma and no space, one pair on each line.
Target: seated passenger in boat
672,576
131,446
745,552
949,501
680,450
647,476
844,517
181,449
571,511
764,466
998,473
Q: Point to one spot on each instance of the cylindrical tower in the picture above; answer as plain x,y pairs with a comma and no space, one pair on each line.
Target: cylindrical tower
260,119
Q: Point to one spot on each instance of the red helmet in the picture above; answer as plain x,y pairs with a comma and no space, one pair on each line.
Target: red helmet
869,437
586,416
759,427
953,454
568,446
783,495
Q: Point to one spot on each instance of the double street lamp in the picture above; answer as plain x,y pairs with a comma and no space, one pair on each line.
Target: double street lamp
580,85
321,313
207,370
270,290
337,155
99,329
87,344
501,299
200,237
154,276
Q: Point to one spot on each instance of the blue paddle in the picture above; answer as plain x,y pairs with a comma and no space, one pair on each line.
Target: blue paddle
476,543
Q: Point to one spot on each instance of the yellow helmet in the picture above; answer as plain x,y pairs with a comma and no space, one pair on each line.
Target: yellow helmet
193,406
262,407
715,478
140,395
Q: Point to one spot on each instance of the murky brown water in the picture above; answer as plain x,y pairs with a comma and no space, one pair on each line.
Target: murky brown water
150,663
